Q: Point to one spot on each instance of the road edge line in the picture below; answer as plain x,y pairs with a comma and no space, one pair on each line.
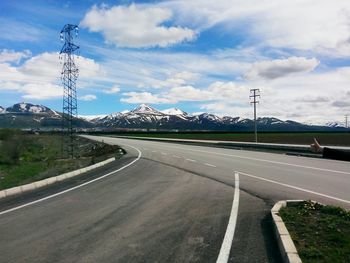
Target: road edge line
225,249
75,187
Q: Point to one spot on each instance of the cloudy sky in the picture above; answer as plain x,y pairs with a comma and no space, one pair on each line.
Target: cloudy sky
198,55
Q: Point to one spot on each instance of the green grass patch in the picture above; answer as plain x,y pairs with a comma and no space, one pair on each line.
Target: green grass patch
325,138
320,233
25,158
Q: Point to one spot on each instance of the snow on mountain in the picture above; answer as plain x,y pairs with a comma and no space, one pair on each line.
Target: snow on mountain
231,120
174,111
28,108
269,120
210,117
145,109
147,117
37,109
334,124
92,117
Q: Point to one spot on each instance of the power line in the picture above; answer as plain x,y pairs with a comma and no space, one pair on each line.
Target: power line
69,77
254,95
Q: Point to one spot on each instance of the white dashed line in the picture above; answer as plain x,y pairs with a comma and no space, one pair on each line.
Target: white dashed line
264,160
175,156
230,231
190,160
164,153
208,164
154,151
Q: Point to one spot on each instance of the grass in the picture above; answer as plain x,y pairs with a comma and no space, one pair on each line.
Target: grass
25,158
320,233
325,138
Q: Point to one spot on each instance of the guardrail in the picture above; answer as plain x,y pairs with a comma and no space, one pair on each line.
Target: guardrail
288,148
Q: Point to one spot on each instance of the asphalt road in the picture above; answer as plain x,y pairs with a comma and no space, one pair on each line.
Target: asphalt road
171,205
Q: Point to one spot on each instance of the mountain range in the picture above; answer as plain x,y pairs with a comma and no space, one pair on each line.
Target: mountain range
27,115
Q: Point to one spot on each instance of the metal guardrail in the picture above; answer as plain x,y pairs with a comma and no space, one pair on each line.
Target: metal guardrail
288,148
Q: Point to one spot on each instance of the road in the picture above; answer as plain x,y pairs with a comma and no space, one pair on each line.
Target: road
172,204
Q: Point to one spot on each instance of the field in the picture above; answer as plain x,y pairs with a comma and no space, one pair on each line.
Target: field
320,233
25,158
325,138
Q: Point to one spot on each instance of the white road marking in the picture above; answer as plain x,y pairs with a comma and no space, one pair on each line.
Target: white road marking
75,187
296,188
154,151
230,231
146,149
175,156
264,160
208,164
164,153
191,160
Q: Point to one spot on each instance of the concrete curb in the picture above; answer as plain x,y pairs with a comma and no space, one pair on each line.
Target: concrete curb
51,180
286,245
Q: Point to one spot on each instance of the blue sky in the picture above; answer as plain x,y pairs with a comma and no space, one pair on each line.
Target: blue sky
200,56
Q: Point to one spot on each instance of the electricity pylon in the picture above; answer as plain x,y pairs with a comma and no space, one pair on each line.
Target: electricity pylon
69,76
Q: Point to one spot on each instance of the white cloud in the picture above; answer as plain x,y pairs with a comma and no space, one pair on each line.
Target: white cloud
217,91
38,77
176,79
314,25
278,68
189,93
88,97
221,108
301,97
135,26
229,91
33,90
115,89
143,97
13,56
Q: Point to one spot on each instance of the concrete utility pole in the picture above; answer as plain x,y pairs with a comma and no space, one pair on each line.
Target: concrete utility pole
254,95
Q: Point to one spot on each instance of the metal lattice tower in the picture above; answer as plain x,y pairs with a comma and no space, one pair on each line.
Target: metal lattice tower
69,76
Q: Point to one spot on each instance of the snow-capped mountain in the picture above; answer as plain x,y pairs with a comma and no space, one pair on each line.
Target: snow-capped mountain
335,124
174,111
29,108
27,115
145,109
138,117
92,117
147,117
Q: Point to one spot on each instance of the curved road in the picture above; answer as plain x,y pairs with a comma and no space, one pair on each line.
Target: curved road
172,204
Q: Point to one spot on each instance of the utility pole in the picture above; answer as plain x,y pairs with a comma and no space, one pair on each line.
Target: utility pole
69,75
254,96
